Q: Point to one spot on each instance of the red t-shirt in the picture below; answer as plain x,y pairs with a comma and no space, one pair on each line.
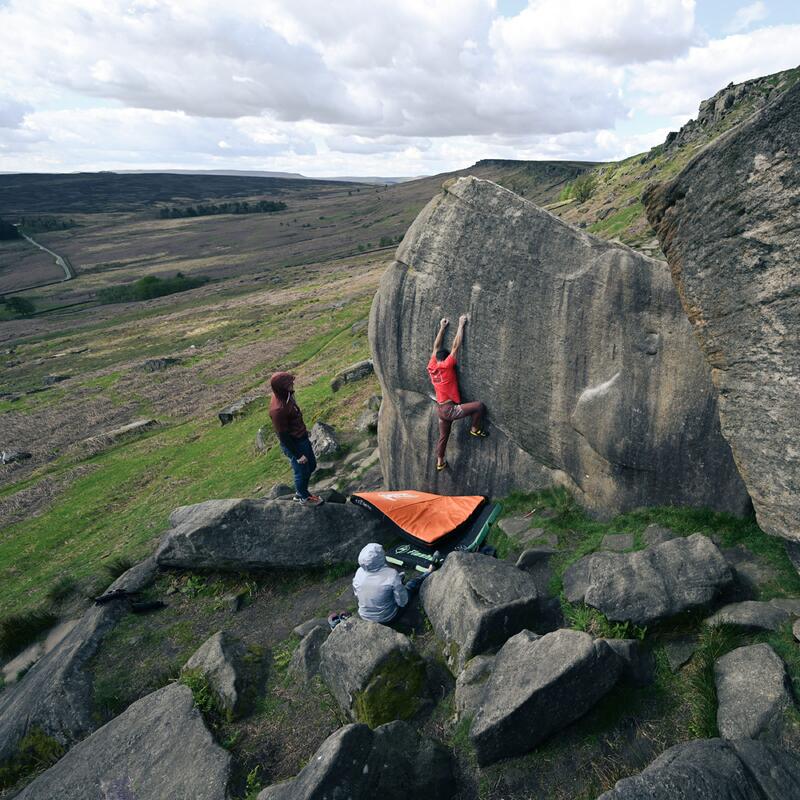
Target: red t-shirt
444,379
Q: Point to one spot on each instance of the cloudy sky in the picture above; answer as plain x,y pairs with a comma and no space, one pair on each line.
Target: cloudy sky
366,87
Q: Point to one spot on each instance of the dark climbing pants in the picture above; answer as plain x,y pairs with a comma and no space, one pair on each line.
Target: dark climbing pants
302,472
448,413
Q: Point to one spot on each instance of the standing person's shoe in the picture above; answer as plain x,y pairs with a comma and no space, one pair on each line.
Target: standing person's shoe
311,500
481,433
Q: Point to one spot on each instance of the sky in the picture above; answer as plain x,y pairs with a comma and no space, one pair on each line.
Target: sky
366,87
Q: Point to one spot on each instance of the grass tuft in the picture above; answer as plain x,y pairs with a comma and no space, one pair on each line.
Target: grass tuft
118,566
19,630
62,589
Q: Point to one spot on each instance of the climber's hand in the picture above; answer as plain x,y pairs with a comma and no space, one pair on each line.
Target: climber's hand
444,322
462,320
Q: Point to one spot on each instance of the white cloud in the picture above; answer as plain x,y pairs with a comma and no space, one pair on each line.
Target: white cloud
747,16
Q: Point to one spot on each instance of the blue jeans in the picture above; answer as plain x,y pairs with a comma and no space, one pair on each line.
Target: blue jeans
302,472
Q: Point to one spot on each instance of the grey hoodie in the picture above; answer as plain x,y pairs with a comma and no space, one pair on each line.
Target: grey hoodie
377,586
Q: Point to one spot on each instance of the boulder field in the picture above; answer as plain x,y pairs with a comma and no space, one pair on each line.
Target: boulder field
728,226
579,348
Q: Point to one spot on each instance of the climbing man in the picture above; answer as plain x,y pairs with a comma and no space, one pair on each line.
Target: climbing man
287,420
442,370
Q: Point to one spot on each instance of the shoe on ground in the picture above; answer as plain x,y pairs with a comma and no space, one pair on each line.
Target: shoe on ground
313,500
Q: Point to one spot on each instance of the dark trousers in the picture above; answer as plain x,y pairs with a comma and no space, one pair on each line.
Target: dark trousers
302,472
448,413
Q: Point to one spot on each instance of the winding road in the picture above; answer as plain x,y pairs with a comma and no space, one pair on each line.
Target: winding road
61,261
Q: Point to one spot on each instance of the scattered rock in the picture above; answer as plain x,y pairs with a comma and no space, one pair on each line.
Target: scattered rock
261,441
750,614
657,534
393,762
159,364
50,380
790,604
323,440
373,672
358,455
727,225
367,422
12,456
753,691
471,684
252,534
306,657
559,414
219,660
638,664
475,602
234,602
359,327
374,402
332,496
652,584
353,373
304,628
279,490
618,542
679,651
514,526
109,438
714,769
540,685
158,747
536,562
237,409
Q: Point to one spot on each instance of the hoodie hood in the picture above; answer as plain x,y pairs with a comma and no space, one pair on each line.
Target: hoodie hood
281,383
372,557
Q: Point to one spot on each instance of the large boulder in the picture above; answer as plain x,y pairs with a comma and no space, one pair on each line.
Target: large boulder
374,672
578,346
753,692
252,534
220,660
55,695
475,603
393,762
539,685
728,226
158,747
652,584
715,769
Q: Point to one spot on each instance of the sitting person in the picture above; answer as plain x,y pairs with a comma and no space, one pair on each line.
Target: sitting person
379,589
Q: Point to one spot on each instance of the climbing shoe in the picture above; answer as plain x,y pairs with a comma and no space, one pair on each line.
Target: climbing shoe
444,465
481,434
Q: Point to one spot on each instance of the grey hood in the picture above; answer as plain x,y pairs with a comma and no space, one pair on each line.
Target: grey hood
372,557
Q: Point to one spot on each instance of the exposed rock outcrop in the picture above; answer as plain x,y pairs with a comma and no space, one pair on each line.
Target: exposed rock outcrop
353,373
220,661
159,747
751,615
252,534
578,346
393,762
305,659
652,584
728,226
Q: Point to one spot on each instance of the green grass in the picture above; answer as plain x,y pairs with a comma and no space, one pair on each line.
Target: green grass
17,631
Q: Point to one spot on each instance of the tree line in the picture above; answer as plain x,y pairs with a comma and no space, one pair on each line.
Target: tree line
149,287
209,209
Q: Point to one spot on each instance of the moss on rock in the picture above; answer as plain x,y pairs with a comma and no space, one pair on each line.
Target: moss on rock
395,691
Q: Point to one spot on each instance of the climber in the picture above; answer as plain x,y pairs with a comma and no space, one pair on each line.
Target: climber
442,371
287,420
379,589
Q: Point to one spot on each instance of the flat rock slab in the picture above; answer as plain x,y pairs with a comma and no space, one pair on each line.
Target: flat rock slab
55,695
618,542
514,526
393,762
657,534
374,673
752,615
539,685
306,658
476,602
220,660
753,691
471,685
679,651
306,627
353,373
158,747
652,584
715,769
579,347
253,534
728,226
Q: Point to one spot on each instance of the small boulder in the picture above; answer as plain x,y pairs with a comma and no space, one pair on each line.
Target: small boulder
751,615
51,380
220,661
323,440
374,673
476,602
540,685
237,409
304,628
261,439
679,651
617,542
514,526
638,664
367,422
652,584
279,490
752,692
374,402
657,534
158,364
393,762
536,562
714,769
471,684
306,657
353,373
13,456
158,747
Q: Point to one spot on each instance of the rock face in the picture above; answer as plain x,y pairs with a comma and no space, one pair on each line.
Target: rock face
374,673
715,769
219,660
579,347
251,534
55,695
159,747
476,602
392,762
752,692
539,685
652,584
728,226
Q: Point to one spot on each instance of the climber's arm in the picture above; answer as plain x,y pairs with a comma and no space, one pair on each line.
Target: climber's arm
462,321
437,342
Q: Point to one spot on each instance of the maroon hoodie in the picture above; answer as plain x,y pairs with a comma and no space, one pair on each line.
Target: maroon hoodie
287,419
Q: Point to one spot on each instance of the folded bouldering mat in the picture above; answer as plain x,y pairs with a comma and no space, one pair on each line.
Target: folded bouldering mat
430,522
